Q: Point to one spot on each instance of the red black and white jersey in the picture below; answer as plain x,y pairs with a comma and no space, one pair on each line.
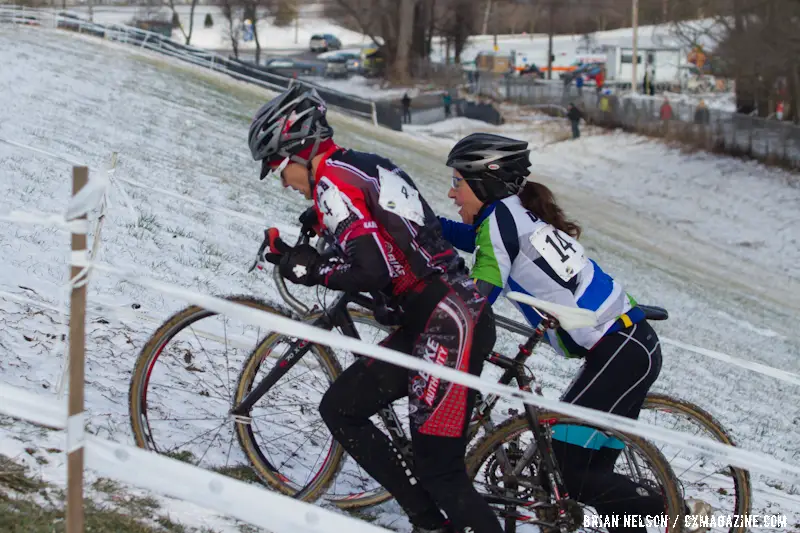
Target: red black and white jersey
392,240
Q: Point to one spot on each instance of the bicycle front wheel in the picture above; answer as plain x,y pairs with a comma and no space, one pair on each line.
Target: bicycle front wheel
526,501
287,443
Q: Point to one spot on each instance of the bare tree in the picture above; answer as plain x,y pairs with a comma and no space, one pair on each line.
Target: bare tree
186,36
389,23
232,12
756,43
459,22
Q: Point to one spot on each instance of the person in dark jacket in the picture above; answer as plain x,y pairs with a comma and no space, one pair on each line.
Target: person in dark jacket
406,101
574,115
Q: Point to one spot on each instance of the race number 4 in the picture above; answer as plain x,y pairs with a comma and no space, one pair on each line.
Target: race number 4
399,197
564,254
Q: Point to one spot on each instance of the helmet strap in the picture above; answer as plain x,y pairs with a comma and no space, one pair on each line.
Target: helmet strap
308,162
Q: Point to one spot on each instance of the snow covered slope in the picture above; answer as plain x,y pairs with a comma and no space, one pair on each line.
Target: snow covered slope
184,130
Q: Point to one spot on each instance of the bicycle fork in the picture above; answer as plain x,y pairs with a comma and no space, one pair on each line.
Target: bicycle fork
298,349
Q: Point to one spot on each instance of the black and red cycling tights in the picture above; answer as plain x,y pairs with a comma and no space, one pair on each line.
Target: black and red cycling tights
448,323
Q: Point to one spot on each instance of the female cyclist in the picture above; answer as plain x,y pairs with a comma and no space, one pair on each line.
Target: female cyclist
523,242
391,244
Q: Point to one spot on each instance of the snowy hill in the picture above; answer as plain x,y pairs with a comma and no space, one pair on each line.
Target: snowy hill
714,240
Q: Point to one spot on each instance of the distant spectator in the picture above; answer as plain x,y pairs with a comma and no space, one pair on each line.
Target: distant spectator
701,114
447,100
579,84
406,101
574,115
600,80
666,110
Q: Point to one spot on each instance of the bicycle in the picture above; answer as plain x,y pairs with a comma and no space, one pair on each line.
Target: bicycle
312,481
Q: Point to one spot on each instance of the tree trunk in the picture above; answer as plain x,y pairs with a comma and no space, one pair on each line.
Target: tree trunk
400,68
550,44
191,22
255,38
431,27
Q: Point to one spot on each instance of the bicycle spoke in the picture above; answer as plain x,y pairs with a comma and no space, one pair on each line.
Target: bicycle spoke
210,363
198,437
210,444
227,362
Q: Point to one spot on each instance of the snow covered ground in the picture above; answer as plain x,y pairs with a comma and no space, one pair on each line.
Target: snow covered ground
714,240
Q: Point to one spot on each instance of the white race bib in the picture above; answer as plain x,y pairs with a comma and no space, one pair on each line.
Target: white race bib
400,198
564,254
331,204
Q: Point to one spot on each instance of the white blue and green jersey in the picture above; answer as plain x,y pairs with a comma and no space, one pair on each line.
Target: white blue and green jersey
514,250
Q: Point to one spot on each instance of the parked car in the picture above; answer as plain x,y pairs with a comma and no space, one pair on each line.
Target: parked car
286,66
336,67
342,64
69,21
322,42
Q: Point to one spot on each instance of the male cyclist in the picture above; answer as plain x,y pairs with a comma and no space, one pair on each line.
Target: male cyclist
391,243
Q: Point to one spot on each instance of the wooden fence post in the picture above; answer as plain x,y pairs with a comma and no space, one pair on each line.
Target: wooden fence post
77,340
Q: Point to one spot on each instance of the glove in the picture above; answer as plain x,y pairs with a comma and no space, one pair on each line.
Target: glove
309,222
299,264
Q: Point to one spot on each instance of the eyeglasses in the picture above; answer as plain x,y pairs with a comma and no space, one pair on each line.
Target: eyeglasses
456,181
277,172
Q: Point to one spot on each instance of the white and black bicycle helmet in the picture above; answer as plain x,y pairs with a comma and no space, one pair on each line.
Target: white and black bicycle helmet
494,166
287,125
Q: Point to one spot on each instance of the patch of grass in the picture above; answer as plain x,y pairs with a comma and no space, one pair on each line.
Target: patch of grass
14,477
144,507
183,456
169,525
28,505
180,232
106,485
22,515
240,472
147,221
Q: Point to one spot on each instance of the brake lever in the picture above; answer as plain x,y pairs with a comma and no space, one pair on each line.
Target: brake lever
261,249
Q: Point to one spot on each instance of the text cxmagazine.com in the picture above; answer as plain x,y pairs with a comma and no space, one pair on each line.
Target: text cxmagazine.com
689,521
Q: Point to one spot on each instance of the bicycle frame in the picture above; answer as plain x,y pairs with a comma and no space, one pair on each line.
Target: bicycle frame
338,316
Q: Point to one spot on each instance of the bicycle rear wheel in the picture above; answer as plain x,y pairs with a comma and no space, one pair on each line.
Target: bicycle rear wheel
514,436
182,385
726,488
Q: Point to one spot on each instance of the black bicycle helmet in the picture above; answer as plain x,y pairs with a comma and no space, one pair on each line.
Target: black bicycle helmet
287,125
494,166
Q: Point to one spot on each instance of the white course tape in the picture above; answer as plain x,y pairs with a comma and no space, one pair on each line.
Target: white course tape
32,217
76,437
759,368
89,197
25,300
734,456
39,151
79,258
270,510
42,410
289,230
783,375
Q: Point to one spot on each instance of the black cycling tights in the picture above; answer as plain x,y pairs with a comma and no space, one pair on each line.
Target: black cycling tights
615,378
439,412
